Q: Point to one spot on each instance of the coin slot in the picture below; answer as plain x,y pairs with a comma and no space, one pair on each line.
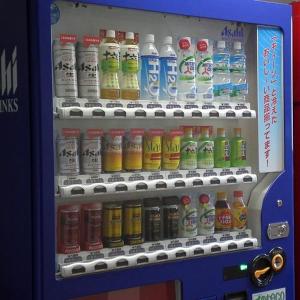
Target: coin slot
122,263
78,270
77,191
162,256
121,188
142,260
120,113
76,112
98,113
277,262
198,251
100,266
180,254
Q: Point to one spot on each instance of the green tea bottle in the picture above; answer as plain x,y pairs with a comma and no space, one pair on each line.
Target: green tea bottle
222,149
238,149
188,150
205,154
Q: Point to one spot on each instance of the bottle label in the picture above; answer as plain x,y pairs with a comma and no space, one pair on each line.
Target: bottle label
239,150
223,219
221,89
109,57
152,153
238,63
205,155
221,63
168,78
222,153
91,155
150,77
187,69
133,152
189,222
206,219
112,151
171,152
239,89
205,69
129,58
239,215
188,155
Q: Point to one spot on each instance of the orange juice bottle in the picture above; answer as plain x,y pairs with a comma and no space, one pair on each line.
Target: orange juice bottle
223,213
239,212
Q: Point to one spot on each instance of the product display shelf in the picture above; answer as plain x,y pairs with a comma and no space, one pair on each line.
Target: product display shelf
110,109
92,185
153,252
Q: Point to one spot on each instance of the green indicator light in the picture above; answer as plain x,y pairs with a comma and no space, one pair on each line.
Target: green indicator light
243,267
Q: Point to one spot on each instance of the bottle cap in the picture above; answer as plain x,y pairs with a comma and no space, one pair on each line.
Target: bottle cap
221,195
168,40
202,45
204,198
185,200
221,44
149,38
221,132
129,35
237,45
238,194
185,43
110,33
204,130
237,132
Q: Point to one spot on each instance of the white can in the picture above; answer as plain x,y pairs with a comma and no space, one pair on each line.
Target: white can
64,69
91,152
88,71
67,148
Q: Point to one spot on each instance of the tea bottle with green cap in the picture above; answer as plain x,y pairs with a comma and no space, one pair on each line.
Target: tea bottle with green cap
188,150
238,148
205,151
222,149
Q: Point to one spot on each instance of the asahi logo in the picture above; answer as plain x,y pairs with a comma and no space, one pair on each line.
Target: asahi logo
8,81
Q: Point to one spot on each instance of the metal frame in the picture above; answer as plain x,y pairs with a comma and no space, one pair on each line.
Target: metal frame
199,277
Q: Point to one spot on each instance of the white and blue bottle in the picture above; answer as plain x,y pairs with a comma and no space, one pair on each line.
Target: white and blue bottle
168,71
221,71
238,73
149,70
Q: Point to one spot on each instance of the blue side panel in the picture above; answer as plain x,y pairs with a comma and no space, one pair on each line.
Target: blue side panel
15,155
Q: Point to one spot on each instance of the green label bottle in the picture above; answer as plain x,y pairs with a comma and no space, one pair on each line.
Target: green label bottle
205,153
238,148
188,150
222,150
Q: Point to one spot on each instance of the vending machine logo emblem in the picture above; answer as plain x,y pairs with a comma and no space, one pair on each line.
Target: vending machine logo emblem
234,31
8,81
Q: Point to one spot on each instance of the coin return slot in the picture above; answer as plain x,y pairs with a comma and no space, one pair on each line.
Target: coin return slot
197,113
142,260
248,244
121,188
198,251
100,266
140,113
77,191
231,180
122,263
98,113
215,181
120,113
180,254
162,257
214,114
161,185
197,182
230,114
178,113
141,186
100,189
76,113
160,113
215,249
232,246
179,183
78,270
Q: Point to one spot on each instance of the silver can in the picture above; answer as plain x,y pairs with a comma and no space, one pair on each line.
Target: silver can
91,152
67,148
64,69
88,71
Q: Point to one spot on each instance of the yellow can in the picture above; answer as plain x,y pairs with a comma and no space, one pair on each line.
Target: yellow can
171,150
133,222
112,151
133,150
152,150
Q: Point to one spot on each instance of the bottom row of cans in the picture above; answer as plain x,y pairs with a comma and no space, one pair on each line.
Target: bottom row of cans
89,227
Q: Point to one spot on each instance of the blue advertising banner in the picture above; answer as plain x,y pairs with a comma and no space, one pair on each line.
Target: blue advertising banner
270,99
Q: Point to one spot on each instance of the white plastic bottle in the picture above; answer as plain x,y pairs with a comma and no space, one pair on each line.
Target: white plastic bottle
204,71
186,70
206,215
149,69
238,75
168,71
187,218
221,80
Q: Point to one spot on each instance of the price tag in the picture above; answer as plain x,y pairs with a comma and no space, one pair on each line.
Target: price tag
174,244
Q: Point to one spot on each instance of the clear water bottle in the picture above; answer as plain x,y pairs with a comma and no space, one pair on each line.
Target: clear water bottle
221,69
238,74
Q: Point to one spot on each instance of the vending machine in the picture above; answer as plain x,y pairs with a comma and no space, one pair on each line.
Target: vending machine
147,150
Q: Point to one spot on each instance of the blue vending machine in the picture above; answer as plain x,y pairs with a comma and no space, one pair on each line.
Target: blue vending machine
146,142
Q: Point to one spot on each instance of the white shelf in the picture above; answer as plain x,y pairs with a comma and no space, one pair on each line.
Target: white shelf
85,185
147,253
108,109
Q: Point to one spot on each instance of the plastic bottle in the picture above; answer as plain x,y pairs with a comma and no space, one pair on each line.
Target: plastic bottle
150,69
109,60
206,215
186,69
238,148
221,80
222,149
238,76
223,213
204,71
168,71
188,218
239,212
129,56
205,151
188,150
